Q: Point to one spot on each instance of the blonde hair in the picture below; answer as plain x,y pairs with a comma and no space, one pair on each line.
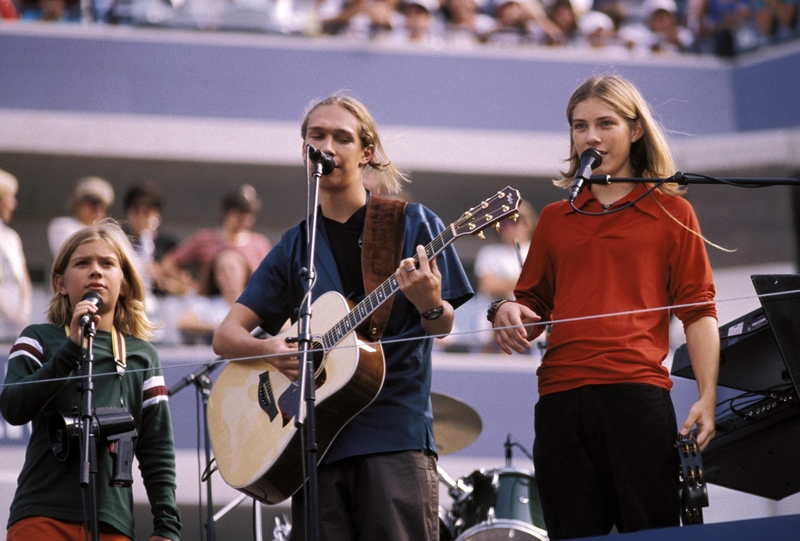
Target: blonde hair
650,154
129,314
385,177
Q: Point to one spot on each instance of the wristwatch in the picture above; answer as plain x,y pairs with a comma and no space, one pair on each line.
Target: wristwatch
433,313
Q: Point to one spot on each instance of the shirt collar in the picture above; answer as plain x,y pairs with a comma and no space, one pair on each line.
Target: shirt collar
589,203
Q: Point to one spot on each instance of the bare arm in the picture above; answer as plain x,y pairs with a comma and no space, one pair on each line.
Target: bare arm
234,341
702,342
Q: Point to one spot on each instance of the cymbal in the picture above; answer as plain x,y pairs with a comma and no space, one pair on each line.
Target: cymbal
455,424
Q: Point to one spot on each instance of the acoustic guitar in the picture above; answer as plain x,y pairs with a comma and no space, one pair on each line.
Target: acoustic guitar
252,406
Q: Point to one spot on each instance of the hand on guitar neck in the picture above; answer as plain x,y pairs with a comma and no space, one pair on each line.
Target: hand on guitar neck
421,283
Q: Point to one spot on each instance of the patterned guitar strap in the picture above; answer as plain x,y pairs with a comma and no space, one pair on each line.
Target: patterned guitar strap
381,251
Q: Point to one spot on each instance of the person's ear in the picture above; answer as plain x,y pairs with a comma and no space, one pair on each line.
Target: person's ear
367,155
637,132
60,285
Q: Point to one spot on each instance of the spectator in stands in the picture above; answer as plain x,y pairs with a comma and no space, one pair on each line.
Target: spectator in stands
521,22
661,31
15,284
597,31
723,27
50,10
142,205
498,265
464,23
227,278
622,12
8,10
497,268
662,21
512,25
89,203
362,19
239,210
336,19
563,15
415,22
777,20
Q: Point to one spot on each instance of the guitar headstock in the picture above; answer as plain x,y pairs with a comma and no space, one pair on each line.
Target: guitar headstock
501,205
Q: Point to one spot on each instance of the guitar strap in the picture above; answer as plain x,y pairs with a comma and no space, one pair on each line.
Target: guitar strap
381,250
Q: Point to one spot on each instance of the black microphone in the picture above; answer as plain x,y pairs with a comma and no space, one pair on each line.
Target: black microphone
93,296
590,159
324,160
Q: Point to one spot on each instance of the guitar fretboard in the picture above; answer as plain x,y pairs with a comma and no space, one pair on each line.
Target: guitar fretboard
381,294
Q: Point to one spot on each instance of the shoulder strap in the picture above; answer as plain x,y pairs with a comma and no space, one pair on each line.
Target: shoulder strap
381,249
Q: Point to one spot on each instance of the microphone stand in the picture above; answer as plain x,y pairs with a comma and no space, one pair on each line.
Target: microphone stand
88,446
306,396
202,381
684,179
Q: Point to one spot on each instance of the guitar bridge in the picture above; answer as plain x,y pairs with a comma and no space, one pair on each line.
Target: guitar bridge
266,399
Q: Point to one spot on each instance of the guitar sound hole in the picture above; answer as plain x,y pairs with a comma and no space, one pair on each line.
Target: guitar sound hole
317,355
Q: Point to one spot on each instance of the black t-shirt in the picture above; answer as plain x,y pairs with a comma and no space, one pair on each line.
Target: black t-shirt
344,241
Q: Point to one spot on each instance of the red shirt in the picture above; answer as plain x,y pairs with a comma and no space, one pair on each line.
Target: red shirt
201,248
588,266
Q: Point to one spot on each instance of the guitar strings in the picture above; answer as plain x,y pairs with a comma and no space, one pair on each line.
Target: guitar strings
176,366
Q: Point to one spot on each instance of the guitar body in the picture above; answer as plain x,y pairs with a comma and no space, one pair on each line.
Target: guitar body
252,407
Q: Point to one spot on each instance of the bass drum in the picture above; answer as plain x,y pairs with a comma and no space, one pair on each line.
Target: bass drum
504,504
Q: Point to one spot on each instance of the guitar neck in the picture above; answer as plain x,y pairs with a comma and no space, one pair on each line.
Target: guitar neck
382,293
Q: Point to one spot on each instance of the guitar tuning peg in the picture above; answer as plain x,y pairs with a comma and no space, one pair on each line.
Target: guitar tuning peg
481,235
515,217
497,226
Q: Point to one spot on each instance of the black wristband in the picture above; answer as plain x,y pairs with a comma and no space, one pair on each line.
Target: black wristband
493,309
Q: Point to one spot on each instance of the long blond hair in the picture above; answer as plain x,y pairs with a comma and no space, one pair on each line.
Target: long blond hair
650,154
385,177
129,314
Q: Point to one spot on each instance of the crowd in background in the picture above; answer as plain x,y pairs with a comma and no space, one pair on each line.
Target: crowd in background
192,283
627,27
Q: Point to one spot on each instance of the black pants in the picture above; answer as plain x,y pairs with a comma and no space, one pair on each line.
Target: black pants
604,456
387,497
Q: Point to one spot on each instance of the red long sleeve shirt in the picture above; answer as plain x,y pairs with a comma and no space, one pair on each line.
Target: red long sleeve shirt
600,267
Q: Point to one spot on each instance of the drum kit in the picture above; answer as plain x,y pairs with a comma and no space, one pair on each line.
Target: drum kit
488,505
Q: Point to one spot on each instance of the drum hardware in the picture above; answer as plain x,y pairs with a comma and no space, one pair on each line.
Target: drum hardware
282,528
447,525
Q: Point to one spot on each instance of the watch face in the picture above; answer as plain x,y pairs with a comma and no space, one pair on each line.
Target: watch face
435,313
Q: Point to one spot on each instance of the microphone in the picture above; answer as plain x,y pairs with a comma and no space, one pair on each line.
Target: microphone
322,159
590,159
93,296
